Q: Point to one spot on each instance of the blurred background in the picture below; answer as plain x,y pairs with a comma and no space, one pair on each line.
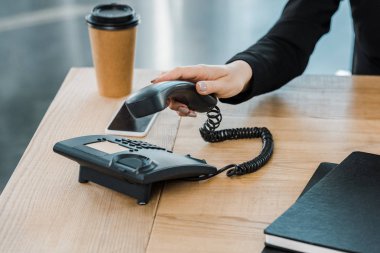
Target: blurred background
41,40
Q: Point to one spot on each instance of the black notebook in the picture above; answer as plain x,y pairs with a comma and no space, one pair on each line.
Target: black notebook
341,213
322,170
319,173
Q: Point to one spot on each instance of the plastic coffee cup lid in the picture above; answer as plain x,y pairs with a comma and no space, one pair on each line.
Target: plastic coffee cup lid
113,17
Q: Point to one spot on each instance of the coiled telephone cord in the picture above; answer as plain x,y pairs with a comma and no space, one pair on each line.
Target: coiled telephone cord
210,134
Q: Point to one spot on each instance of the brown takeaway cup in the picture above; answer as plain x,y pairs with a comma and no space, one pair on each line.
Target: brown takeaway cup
112,30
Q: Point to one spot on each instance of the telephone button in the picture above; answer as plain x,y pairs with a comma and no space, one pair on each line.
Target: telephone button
136,162
132,162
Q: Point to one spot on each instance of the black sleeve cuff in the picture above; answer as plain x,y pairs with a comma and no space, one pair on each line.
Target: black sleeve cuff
251,89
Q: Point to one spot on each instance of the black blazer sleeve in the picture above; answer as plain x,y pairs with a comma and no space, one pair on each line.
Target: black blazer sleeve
284,51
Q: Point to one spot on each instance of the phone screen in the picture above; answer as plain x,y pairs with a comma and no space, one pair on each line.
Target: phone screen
125,122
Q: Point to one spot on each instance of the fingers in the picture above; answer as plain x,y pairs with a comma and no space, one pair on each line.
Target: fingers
193,73
222,88
181,109
184,111
204,87
181,73
219,88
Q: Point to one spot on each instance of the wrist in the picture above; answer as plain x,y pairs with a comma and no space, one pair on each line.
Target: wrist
242,71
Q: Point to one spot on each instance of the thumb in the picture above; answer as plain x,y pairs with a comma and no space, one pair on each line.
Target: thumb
209,87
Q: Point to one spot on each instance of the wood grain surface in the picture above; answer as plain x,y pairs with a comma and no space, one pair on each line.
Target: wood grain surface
313,119
43,207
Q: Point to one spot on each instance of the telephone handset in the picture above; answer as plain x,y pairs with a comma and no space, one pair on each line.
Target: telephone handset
153,98
131,166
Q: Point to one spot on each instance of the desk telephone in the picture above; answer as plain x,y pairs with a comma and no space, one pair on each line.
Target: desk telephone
132,166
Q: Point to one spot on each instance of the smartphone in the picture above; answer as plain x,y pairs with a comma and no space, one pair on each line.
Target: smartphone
123,123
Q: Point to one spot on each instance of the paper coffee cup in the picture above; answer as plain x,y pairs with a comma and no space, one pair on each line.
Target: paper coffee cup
112,30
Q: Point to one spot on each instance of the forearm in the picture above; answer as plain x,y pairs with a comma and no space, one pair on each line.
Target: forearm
283,53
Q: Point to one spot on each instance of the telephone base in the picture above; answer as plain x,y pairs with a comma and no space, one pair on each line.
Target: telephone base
141,192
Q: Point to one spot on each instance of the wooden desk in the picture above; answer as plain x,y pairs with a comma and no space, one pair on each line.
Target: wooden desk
314,119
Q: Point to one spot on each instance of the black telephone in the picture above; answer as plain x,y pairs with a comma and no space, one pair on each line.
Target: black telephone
128,166
131,166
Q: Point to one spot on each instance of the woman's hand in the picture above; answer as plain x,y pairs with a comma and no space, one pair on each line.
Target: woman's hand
222,80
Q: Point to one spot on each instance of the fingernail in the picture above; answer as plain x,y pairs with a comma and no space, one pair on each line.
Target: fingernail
152,81
192,114
183,110
202,86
